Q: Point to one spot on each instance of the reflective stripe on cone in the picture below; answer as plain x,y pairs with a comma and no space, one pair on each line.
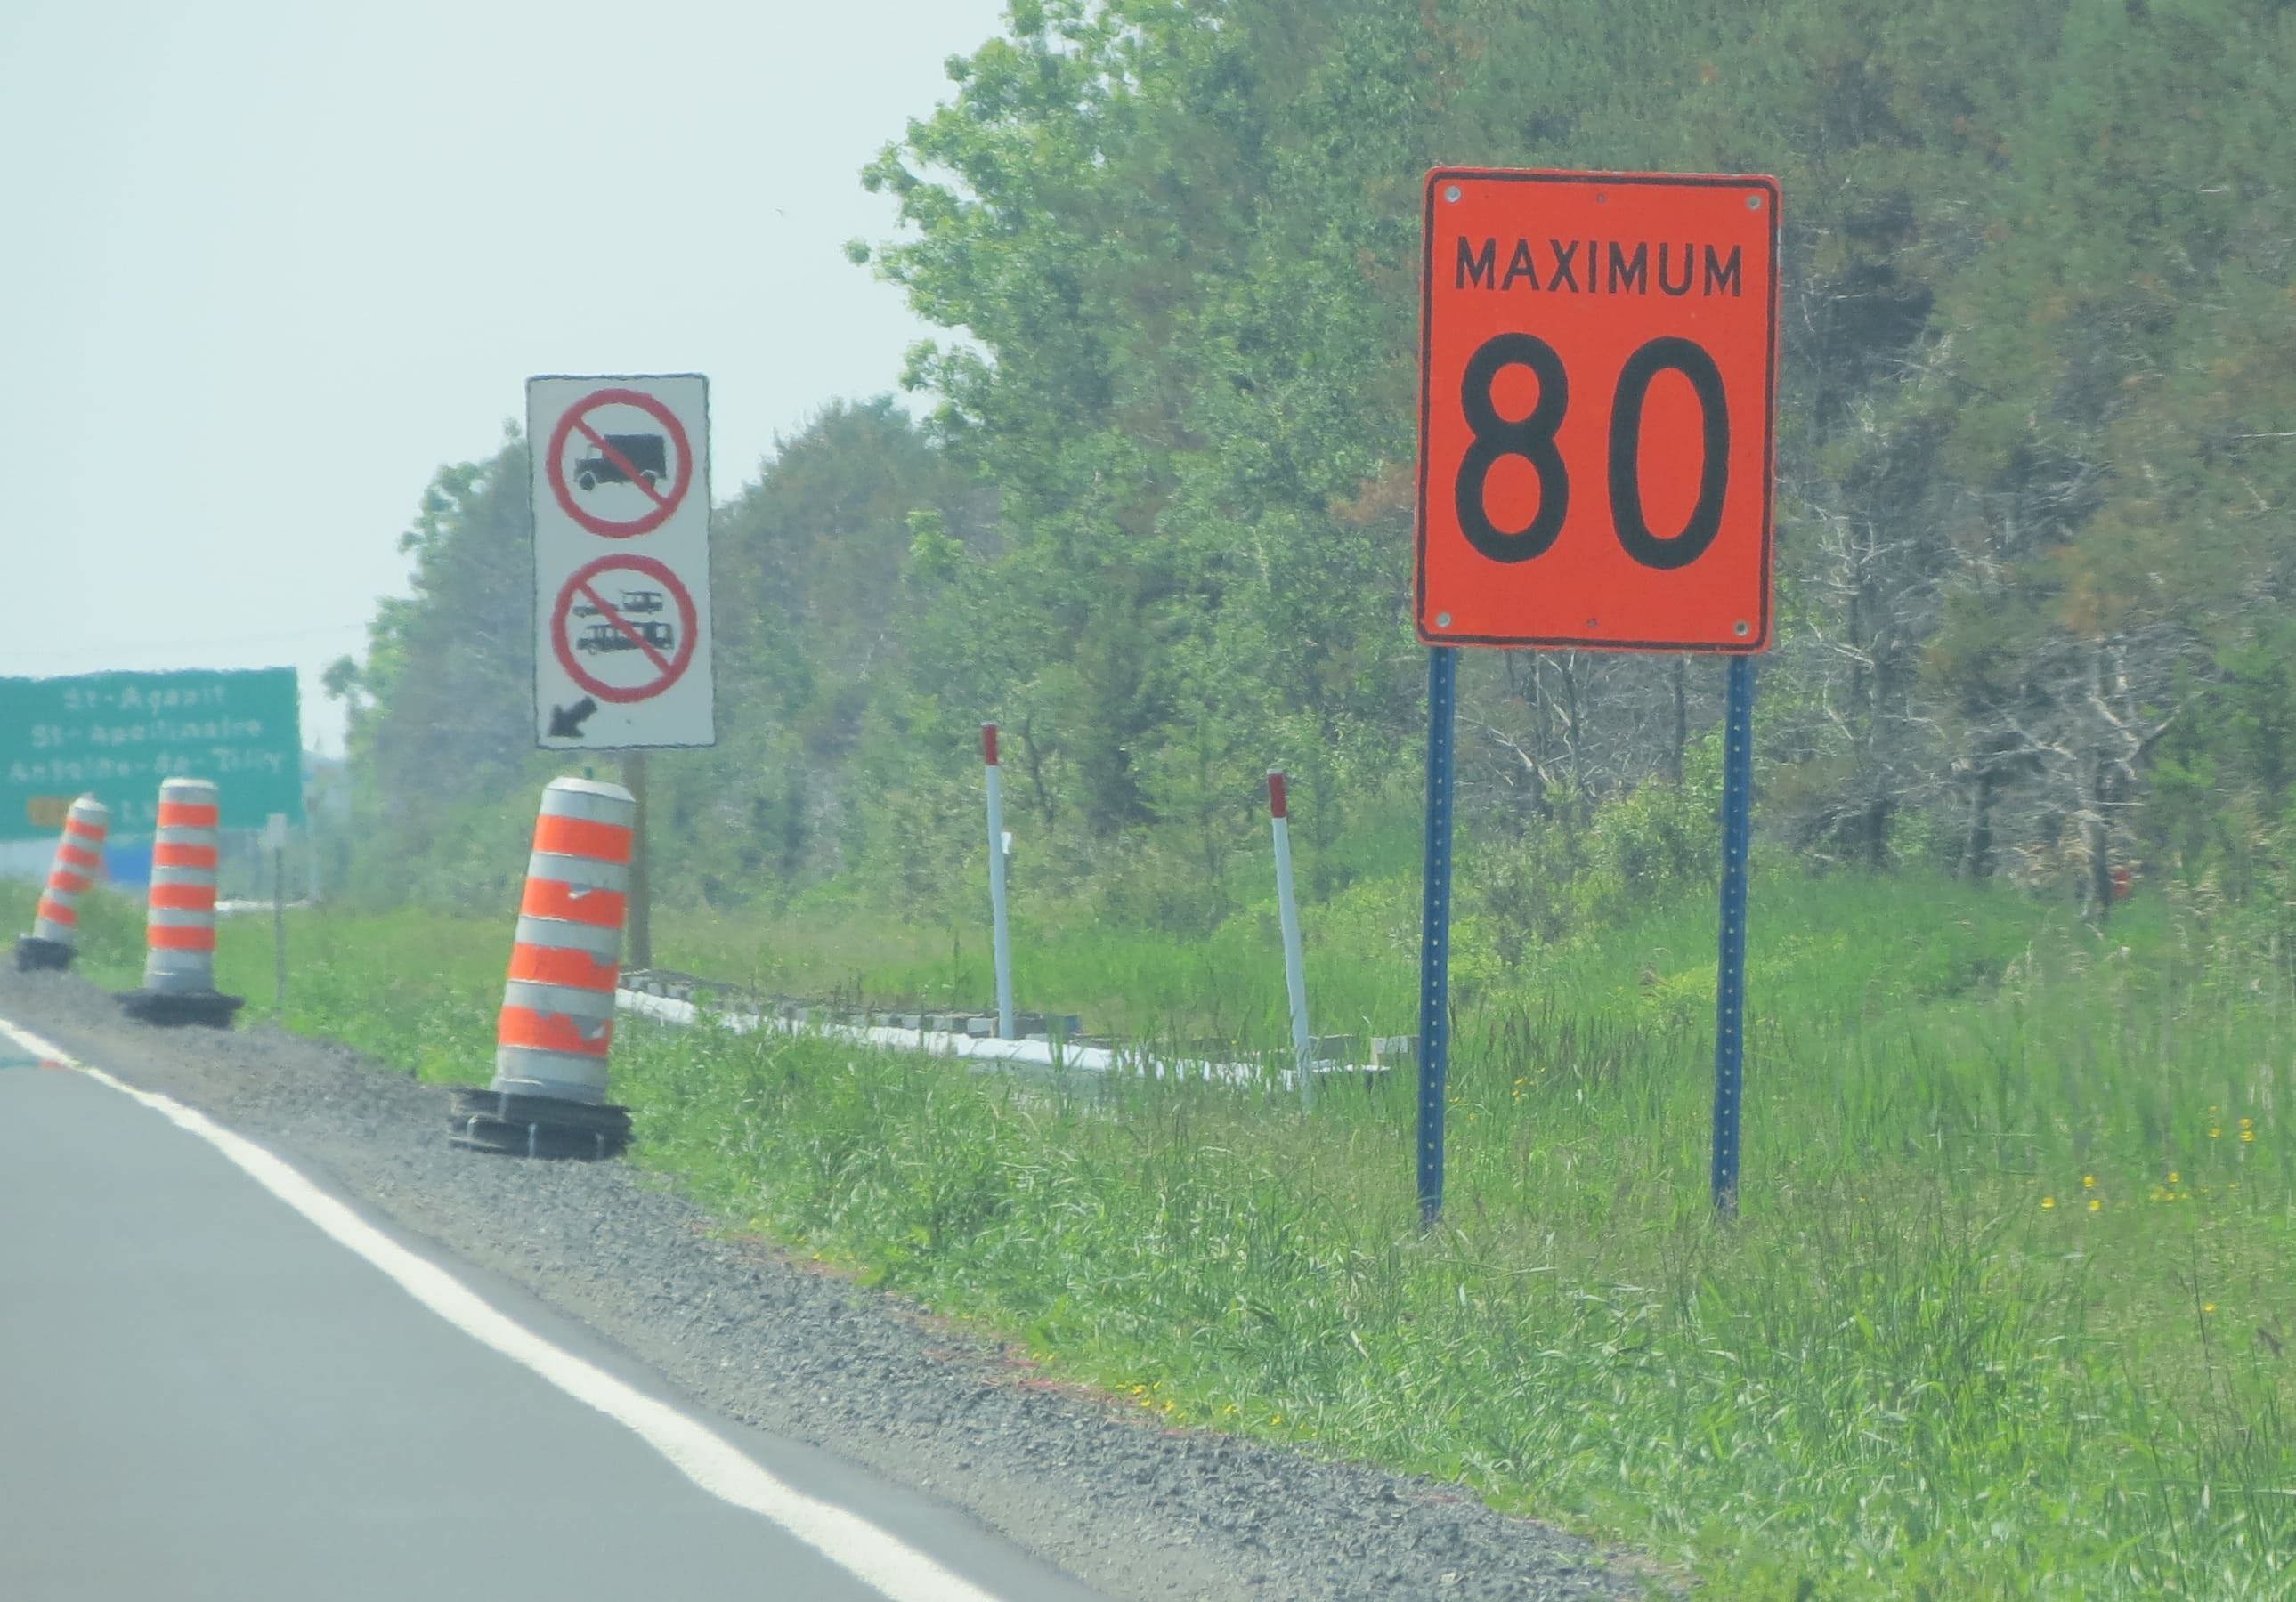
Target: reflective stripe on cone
532,1071
581,837
575,969
600,909
555,1032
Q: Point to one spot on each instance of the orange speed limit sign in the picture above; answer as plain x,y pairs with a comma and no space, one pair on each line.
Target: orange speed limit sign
1598,377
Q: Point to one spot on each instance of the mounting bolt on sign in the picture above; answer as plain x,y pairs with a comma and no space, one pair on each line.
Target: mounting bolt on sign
1598,393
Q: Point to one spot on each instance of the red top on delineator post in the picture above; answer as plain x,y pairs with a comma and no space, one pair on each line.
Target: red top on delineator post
1276,806
988,744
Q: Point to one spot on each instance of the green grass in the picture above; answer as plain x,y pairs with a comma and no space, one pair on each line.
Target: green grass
2005,1314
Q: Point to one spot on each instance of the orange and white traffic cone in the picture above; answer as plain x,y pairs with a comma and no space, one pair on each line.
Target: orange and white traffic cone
180,930
556,1031
79,858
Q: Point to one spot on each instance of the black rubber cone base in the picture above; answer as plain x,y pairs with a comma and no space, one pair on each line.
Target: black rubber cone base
537,1126
33,953
173,1008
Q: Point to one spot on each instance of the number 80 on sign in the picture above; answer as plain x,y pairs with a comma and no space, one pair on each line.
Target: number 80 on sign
1598,379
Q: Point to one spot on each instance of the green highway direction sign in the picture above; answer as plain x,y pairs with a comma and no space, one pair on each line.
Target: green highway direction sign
117,734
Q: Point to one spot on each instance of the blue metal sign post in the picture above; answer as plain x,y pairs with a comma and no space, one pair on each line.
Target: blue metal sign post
1435,929
1730,983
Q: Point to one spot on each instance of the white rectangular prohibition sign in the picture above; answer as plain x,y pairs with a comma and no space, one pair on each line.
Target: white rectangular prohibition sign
621,562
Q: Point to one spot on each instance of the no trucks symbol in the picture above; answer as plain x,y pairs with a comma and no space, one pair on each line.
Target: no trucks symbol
624,628
619,463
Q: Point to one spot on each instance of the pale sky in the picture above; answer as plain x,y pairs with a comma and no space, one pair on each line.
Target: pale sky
266,264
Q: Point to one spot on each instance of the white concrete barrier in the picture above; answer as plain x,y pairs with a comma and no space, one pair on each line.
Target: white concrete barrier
1048,1055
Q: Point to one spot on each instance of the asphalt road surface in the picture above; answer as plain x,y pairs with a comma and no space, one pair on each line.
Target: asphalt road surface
202,1395
265,1333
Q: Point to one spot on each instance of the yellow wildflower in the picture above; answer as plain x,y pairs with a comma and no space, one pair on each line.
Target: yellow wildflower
2214,1132
2248,1134
2095,1205
2175,1178
2088,1182
2208,1307
2049,1202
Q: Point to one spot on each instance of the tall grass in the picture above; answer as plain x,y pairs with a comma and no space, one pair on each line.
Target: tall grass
2005,1313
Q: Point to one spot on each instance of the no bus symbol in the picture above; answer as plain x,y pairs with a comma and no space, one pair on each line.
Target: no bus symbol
624,628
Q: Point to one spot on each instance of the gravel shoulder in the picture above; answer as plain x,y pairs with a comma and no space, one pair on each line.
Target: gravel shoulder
1130,1508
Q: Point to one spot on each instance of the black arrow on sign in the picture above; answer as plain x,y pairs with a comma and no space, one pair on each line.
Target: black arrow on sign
566,722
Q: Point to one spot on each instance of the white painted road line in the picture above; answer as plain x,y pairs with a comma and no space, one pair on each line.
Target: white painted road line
878,1559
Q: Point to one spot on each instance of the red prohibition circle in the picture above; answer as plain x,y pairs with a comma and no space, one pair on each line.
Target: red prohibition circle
653,408
562,613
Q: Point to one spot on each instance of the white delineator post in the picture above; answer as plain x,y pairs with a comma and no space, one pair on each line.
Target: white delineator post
1003,934
1295,966
274,840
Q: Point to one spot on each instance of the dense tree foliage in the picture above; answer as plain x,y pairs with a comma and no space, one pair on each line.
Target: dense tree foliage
2037,461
